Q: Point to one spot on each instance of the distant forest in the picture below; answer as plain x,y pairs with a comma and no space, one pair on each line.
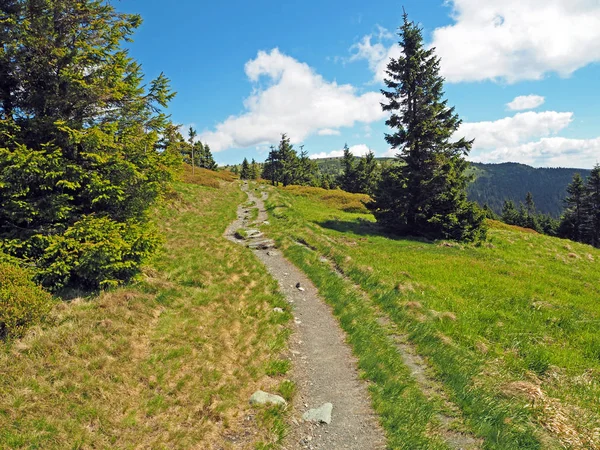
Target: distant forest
495,183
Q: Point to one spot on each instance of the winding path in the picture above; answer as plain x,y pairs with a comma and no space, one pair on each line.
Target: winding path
324,368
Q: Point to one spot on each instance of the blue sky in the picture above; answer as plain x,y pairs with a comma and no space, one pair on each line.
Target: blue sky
523,74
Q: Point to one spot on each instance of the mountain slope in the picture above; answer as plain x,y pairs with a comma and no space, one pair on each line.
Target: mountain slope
495,183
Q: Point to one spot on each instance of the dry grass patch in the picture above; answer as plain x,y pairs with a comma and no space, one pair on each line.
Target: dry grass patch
169,362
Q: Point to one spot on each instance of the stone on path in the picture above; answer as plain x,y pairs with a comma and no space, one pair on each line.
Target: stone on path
264,398
322,414
261,245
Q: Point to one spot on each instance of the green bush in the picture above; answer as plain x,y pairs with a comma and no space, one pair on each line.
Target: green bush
96,252
22,302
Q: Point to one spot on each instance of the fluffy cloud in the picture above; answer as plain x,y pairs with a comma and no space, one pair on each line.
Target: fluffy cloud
328,132
296,101
356,150
530,138
509,40
526,102
515,130
548,152
517,40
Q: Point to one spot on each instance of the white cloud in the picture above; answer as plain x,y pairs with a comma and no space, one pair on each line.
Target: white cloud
356,150
516,40
526,102
328,132
515,130
373,53
530,138
296,101
548,152
508,40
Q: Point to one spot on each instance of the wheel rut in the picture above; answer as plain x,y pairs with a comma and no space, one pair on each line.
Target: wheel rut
324,368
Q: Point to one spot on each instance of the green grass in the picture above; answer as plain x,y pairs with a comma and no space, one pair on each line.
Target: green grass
168,362
510,328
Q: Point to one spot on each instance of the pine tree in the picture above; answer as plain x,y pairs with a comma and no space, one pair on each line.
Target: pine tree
288,160
347,179
191,136
509,213
591,208
367,174
425,193
245,172
208,160
81,154
254,170
271,167
571,224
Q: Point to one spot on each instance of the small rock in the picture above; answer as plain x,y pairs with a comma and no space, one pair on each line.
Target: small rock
266,222
261,245
301,289
322,414
279,310
264,398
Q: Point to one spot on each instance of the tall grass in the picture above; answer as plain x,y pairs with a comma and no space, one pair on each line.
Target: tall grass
509,327
168,362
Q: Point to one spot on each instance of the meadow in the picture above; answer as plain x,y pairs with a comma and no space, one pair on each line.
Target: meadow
168,361
506,330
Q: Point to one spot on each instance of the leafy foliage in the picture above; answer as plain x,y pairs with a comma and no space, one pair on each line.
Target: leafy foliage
22,302
79,137
425,193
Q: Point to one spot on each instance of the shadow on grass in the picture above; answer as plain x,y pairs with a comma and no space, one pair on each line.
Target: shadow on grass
364,227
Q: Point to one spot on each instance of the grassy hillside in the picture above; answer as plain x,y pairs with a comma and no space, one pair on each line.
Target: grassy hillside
508,330
495,183
168,362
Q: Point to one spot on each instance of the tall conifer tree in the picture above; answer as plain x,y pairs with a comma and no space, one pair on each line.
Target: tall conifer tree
591,208
572,220
425,193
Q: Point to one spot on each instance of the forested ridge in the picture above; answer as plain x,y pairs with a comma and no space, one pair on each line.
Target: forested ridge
495,183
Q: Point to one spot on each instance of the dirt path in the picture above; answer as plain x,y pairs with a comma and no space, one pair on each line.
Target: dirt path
324,368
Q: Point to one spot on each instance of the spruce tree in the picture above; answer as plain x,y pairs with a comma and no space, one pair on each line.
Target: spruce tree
245,172
208,160
347,179
288,160
571,224
425,193
591,208
82,142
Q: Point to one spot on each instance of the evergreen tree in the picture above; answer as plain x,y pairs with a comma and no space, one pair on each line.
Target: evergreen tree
509,213
571,224
245,171
254,170
347,179
81,154
191,136
367,174
288,160
425,193
308,171
591,208
489,213
272,166
208,161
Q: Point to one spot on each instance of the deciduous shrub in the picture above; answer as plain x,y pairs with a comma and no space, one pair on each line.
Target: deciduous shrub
22,302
